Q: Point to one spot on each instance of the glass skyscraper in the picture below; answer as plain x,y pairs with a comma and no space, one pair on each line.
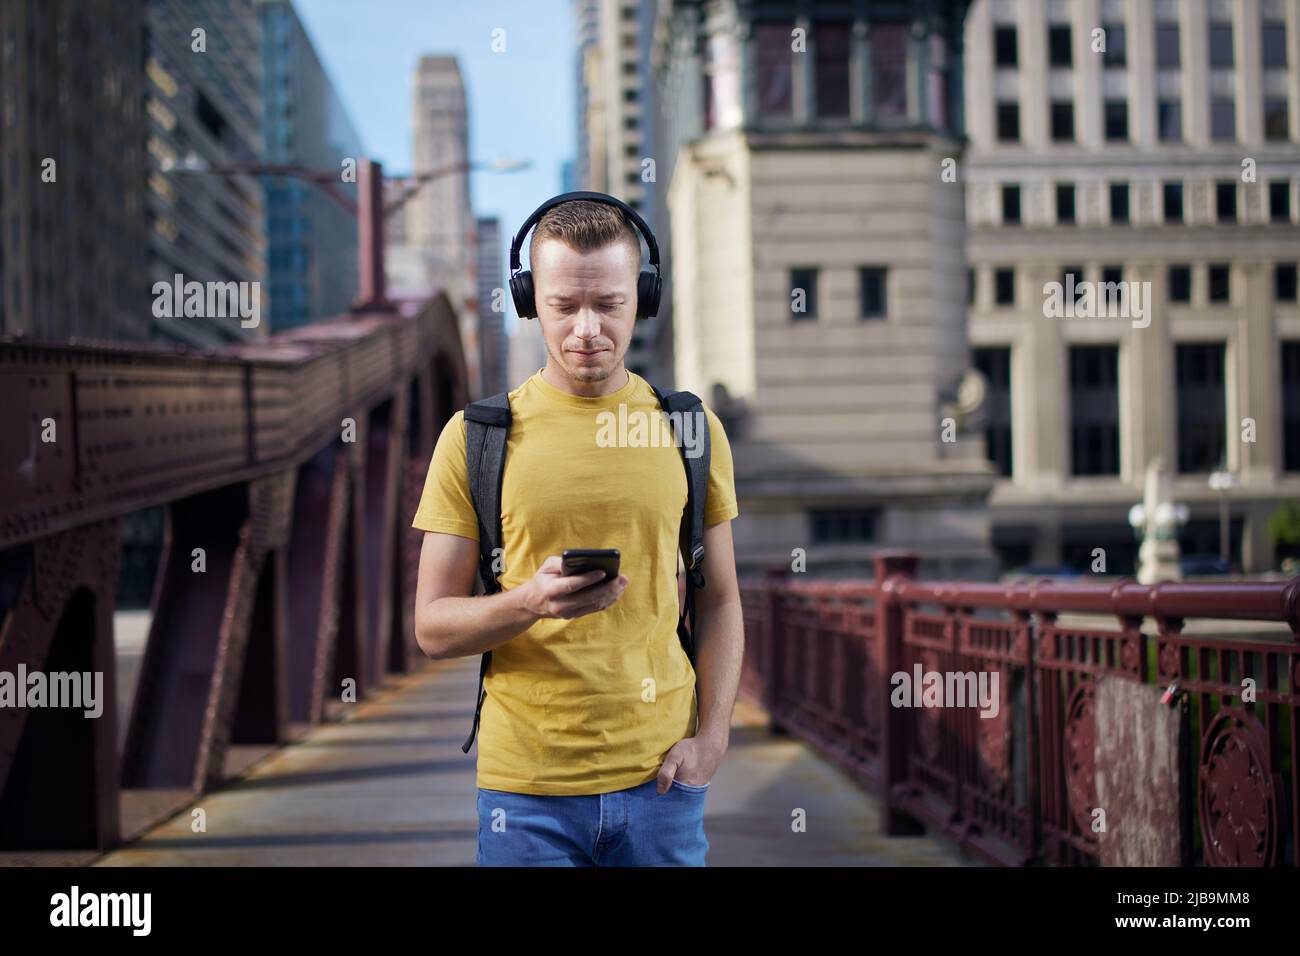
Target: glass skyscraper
312,239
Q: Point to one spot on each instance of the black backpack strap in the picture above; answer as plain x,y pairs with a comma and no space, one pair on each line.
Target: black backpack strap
697,484
487,427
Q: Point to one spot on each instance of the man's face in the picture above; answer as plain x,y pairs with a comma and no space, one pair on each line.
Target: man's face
586,304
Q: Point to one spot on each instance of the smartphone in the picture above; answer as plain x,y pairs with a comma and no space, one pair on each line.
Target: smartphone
582,560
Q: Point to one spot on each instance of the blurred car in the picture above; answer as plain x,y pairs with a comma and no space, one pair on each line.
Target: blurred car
1045,571
1200,565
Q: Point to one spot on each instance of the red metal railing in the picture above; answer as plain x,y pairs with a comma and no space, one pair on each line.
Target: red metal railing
1022,785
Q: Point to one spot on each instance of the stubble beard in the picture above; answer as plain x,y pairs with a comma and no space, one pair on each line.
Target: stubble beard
583,373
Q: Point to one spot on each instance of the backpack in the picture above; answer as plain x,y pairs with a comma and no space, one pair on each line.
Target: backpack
487,426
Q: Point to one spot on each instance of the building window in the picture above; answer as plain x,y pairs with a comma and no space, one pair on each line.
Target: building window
889,69
774,67
872,303
1168,55
1116,120
1008,122
1202,419
1220,283
970,286
1094,409
1276,123
832,40
1180,283
1062,121
938,84
1004,47
803,294
1291,406
631,94
1225,201
1169,120
1284,282
843,525
1116,46
994,364
1065,203
1058,46
1273,45
1221,45
1279,200
707,52
1173,195
1011,205
1112,276
1119,203
1004,286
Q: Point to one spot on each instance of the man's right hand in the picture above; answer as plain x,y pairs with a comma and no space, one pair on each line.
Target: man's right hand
551,593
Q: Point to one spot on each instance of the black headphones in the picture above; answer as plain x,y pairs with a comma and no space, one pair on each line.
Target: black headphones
521,283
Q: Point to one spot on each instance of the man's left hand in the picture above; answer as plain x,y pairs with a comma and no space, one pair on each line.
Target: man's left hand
692,761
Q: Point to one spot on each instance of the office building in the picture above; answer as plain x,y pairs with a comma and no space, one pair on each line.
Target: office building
492,297
618,135
311,236
439,220
72,171
203,69
586,18
1152,142
819,265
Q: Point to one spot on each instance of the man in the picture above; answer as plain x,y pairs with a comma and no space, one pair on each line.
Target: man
592,750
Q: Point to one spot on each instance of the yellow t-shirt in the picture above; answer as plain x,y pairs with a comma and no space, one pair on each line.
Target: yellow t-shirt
591,704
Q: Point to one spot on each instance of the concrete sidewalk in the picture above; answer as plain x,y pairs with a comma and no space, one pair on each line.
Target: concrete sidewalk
390,786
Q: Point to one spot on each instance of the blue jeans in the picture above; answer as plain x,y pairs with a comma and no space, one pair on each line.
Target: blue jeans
633,827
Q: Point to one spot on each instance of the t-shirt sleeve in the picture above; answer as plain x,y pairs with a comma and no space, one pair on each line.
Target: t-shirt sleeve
445,503
721,503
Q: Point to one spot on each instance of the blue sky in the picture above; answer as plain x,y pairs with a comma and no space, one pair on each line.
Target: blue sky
521,101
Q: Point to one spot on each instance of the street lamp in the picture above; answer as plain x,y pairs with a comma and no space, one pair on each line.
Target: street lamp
326,179
414,181
1156,520
370,209
323,178
1221,481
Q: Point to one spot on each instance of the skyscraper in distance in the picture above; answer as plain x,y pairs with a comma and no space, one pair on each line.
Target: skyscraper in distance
439,221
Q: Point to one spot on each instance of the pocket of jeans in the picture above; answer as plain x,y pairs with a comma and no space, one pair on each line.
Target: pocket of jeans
690,787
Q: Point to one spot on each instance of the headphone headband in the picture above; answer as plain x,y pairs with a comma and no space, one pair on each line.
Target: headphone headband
516,243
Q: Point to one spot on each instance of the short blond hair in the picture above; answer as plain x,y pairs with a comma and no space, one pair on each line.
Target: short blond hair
584,225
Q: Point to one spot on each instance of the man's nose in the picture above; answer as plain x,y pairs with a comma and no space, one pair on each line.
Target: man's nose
588,324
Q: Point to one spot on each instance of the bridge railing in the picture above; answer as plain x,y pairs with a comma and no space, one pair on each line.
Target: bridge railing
1126,725
288,470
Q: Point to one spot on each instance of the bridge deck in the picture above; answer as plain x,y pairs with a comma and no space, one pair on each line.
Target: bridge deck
390,786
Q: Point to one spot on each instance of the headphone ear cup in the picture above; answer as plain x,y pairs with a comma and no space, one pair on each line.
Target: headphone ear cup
647,295
521,290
